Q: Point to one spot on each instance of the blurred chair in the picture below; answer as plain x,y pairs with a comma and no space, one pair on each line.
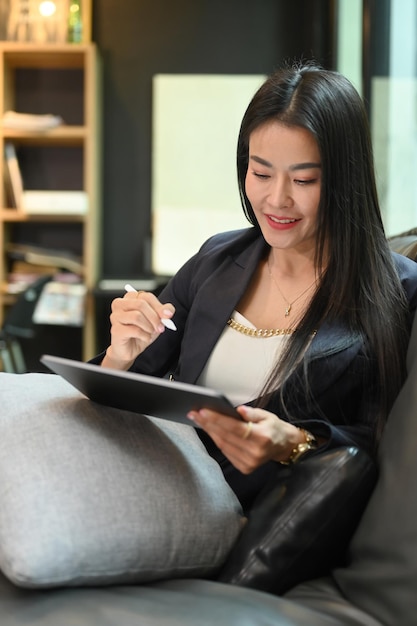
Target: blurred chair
18,325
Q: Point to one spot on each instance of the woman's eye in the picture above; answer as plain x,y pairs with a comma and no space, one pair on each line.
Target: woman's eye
308,181
262,176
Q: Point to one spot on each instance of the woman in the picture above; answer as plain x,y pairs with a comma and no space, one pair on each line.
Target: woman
302,319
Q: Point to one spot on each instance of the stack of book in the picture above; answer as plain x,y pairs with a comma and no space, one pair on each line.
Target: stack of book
29,262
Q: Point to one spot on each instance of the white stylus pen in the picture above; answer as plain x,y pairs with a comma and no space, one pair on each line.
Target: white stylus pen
166,322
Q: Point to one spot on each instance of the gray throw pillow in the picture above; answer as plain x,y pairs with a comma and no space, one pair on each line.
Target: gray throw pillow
382,576
92,495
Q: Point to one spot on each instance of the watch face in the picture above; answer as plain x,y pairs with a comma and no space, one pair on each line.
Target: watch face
301,448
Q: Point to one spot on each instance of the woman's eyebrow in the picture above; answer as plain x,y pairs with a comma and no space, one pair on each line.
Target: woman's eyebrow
253,157
297,166
304,166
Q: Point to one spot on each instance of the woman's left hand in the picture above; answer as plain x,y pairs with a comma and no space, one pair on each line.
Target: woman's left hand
260,437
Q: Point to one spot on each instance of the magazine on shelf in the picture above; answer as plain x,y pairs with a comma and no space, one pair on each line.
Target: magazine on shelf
61,303
12,176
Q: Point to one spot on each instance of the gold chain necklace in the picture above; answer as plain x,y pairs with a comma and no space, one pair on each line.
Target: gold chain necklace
260,333
289,304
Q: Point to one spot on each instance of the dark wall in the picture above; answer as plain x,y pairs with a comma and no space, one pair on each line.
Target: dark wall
139,38
376,43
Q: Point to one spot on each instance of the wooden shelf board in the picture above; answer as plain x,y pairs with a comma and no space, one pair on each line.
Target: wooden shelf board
61,135
17,215
33,55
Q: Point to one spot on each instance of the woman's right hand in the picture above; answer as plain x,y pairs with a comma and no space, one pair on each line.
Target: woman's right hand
135,324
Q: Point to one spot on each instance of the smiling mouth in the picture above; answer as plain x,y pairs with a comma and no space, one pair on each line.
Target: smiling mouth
284,220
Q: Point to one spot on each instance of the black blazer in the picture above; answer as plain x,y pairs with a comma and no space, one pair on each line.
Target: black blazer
207,289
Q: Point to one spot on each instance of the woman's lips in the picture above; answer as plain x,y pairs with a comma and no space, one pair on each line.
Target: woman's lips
282,223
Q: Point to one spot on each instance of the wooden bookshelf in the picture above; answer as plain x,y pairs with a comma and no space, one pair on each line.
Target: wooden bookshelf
63,80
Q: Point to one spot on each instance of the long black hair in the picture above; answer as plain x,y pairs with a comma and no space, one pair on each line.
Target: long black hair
360,285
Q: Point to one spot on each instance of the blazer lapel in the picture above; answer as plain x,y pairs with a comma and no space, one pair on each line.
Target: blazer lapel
214,304
331,338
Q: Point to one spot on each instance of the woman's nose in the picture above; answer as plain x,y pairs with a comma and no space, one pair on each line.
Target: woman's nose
280,193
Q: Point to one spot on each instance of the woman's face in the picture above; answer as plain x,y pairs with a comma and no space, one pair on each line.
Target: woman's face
283,184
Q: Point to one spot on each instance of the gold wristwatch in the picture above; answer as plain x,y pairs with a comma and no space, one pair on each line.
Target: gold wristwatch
301,448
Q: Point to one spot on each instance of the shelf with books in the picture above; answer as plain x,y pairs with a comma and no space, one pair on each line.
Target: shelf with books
59,165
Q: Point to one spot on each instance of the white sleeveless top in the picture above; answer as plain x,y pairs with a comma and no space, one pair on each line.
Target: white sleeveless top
239,364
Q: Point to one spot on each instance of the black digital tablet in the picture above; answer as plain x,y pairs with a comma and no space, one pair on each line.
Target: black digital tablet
147,395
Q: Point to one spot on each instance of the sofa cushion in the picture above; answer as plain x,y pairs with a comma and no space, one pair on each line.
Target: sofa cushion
382,576
94,495
183,602
323,596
